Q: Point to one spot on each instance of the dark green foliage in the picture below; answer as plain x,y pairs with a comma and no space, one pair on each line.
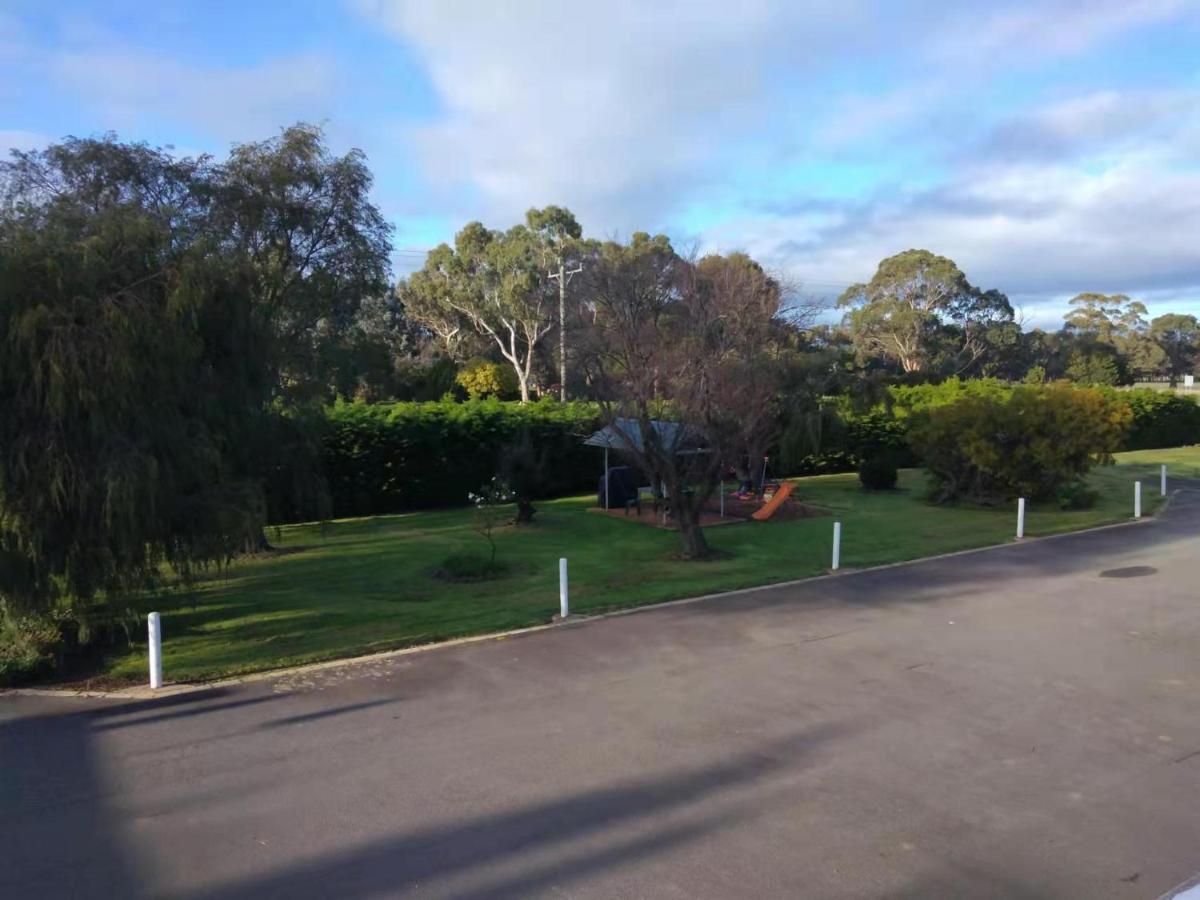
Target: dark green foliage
1031,443
393,457
845,439
878,472
163,325
1097,365
130,383
1077,495
27,648
1161,419
523,468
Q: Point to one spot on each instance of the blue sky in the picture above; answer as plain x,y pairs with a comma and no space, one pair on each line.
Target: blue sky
1049,147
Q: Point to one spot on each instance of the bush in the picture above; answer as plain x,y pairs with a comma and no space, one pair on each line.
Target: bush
1077,495
483,378
384,458
878,472
27,647
1031,444
908,400
838,440
1160,419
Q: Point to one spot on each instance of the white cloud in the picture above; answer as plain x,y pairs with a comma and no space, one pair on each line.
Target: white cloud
16,139
130,87
1031,230
1047,28
612,109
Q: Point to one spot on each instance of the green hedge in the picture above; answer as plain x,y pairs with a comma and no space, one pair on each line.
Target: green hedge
390,457
1160,419
381,458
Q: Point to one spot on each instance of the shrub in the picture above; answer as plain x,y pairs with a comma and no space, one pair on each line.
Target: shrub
909,399
1077,495
838,440
523,468
1160,419
1030,444
878,472
27,647
483,378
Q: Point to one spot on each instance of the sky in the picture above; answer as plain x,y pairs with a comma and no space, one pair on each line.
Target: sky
1048,147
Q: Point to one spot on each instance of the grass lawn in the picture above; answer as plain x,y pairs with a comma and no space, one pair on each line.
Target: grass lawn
363,585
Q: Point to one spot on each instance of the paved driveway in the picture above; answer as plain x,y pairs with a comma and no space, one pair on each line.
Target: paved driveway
1023,722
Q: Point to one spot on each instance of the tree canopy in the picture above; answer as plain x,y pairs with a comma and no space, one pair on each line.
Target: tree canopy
158,317
920,311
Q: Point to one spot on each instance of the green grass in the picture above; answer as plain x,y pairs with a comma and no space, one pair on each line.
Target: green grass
363,585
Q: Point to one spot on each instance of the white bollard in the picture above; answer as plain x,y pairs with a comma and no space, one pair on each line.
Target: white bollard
1020,517
563,605
837,545
1137,499
1162,482
154,623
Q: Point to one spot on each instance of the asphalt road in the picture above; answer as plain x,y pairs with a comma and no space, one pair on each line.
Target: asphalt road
1023,722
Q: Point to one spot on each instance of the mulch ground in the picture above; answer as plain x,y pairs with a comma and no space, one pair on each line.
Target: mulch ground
736,511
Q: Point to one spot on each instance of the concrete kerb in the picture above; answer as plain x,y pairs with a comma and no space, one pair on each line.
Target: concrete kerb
144,692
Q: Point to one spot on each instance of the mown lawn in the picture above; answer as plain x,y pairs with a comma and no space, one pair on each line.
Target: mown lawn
363,585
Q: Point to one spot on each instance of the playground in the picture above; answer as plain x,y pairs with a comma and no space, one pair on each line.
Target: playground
358,586
775,501
740,493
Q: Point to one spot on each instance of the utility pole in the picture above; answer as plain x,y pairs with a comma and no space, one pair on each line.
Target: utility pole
563,277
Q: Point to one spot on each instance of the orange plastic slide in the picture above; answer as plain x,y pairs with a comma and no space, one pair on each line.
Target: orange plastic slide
768,509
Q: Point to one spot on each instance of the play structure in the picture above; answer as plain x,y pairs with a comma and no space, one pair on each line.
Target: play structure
778,498
625,491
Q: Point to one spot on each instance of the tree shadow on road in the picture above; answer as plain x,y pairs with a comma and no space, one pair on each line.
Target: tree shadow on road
603,821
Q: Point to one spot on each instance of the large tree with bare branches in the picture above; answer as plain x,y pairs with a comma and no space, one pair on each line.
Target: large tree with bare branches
687,343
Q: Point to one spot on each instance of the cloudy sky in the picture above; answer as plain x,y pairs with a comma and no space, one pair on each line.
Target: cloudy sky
1049,147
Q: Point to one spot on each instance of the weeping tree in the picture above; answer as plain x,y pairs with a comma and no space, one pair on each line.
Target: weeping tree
131,362
163,328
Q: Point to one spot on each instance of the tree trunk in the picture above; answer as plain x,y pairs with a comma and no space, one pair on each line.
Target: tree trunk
695,545
257,544
562,332
525,511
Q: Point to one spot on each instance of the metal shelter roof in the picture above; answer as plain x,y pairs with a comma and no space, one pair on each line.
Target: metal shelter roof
626,434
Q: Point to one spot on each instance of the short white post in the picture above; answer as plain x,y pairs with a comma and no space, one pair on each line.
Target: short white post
563,604
154,623
837,545
1020,517
1137,499
1162,481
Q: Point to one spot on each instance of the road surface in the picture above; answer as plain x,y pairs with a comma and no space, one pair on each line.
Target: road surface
1021,722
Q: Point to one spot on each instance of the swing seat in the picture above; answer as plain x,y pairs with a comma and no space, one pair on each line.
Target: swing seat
768,509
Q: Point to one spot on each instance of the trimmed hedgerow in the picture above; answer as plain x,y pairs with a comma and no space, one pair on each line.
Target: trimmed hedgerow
381,458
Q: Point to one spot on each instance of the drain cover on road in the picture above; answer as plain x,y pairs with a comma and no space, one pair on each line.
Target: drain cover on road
1129,572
